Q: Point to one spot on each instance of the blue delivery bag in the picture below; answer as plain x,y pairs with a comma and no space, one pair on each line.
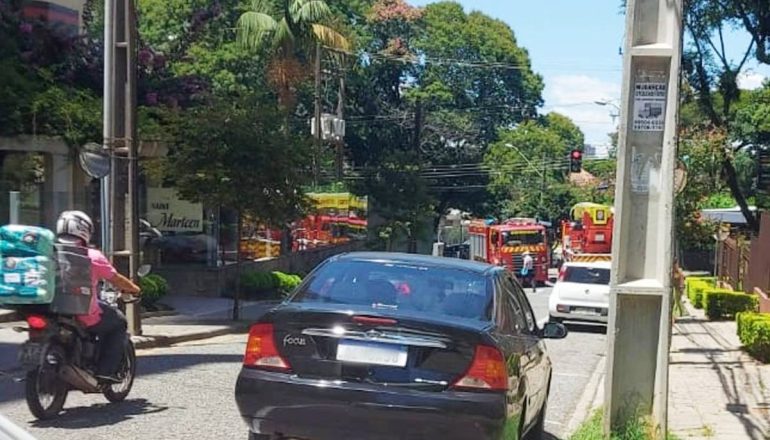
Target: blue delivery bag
27,265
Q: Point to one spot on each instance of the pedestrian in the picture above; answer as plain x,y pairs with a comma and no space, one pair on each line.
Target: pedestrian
528,271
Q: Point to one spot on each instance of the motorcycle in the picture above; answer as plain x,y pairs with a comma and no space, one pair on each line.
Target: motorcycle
61,355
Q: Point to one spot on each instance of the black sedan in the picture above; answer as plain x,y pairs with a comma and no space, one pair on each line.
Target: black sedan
391,346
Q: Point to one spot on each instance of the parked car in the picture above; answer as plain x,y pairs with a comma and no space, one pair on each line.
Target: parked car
582,293
392,346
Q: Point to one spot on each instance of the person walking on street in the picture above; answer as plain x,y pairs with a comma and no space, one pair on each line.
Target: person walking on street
528,271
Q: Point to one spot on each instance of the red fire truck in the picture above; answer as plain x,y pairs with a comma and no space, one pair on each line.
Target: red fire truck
587,236
504,244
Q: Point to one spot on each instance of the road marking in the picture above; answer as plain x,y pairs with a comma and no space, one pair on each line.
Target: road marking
571,375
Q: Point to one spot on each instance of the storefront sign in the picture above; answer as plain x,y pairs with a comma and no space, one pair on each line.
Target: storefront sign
167,212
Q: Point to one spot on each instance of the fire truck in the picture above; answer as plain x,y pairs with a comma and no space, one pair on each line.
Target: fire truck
587,236
504,244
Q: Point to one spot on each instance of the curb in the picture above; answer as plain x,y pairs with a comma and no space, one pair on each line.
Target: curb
591,399
13,316
145,342
9,317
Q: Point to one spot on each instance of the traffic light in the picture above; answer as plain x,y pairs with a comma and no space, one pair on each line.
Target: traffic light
575,161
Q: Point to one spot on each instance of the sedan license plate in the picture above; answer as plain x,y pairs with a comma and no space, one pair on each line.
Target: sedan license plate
31,354
372,353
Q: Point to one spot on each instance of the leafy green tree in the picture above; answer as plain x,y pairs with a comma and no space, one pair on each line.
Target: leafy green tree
233,154
712,76
436,86
528,168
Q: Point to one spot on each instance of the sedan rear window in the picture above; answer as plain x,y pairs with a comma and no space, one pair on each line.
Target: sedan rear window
587,275
399,287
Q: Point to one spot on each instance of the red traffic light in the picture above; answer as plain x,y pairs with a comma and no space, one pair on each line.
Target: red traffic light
577,154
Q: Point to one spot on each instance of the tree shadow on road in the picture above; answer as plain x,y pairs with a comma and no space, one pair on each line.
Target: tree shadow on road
102,414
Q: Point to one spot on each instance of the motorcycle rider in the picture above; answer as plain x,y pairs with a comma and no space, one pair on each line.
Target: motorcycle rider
109,324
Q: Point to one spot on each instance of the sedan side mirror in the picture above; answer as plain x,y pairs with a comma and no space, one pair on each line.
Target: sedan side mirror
554,330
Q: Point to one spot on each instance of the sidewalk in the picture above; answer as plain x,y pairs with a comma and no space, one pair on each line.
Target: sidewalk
716,391
198,318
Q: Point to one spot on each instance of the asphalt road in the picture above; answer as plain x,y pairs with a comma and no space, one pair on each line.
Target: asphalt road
186,391
574,360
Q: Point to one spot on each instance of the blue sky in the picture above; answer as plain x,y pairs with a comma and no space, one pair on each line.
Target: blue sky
574,45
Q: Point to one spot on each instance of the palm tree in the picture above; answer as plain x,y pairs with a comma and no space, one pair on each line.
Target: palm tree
297,28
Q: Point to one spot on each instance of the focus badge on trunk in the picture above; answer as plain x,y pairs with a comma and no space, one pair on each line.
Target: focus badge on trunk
294,340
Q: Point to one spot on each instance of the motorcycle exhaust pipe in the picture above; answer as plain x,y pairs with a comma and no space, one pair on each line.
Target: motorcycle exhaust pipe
79,378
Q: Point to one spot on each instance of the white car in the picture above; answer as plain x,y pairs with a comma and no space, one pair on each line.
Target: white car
582,293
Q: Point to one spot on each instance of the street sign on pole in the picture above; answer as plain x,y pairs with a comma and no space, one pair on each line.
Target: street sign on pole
642,253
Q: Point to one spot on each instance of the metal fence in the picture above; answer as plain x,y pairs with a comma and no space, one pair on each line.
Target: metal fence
745,264
758,267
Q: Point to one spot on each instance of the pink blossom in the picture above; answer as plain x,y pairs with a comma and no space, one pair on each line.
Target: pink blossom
386,10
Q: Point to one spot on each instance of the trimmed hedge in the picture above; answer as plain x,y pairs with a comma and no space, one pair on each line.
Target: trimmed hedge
695,288
154,287
754,333
257,283
724,303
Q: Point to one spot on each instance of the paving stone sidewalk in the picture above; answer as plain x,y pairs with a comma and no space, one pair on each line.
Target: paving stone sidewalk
716,391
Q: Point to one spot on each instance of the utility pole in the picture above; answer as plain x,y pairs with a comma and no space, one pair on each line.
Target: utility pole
318,112
120,207
418,123
543,186
340,150
641,284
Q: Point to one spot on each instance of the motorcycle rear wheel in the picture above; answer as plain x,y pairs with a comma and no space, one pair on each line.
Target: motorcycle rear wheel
45,393
118,392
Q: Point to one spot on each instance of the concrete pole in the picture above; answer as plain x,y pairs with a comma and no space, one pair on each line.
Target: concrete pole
317,114
641,285
14,200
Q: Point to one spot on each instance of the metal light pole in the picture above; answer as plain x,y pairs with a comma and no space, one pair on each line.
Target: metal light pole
610,103
108,121
641,286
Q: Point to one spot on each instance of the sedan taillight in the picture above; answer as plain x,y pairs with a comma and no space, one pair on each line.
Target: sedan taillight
261,351
487,371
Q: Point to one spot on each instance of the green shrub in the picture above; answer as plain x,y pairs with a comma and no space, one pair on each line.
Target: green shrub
286,283
257,282
696,286
154,287
263,284
593,429
724,303
754,333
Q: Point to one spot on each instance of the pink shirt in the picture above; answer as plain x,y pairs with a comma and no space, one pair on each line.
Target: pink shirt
101,269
